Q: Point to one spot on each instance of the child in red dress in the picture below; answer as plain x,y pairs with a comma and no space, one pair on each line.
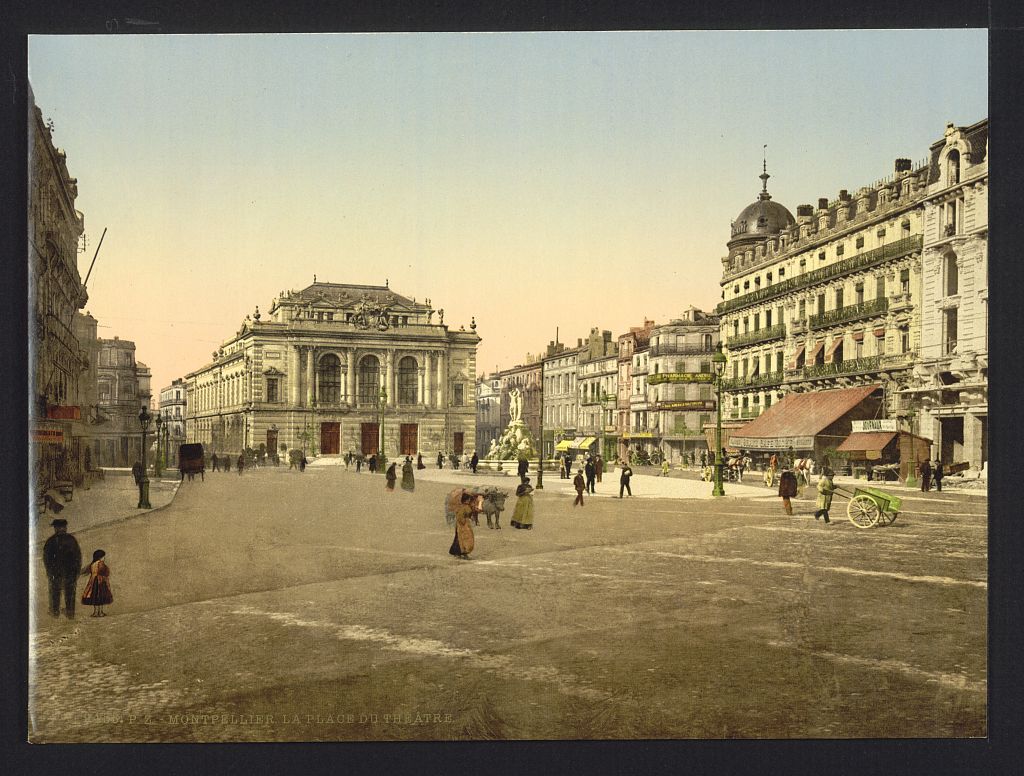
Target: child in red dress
97,589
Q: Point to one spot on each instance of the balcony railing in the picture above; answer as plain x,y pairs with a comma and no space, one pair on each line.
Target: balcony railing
853,312
768,378
671,349
886,253
778,331
868,364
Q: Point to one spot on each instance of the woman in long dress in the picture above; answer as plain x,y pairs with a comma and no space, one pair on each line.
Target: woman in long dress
523,515
97,590
462,544
408,481
390,477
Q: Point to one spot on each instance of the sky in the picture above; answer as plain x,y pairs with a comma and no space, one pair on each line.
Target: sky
533,181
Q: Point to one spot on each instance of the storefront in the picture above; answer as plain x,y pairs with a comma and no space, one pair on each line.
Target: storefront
808,425
882,448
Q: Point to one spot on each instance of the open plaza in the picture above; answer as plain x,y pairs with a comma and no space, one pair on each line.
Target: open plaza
279,605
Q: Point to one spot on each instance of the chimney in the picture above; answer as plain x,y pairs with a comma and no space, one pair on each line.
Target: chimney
902,165
822,203
804,219
804,210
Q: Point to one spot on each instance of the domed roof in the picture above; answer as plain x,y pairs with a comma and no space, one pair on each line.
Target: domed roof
762,218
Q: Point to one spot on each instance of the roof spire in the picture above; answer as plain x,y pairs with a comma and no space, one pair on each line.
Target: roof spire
764,176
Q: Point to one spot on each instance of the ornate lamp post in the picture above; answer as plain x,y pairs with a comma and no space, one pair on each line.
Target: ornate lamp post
144,419
382,399
718,361
157,469
540,443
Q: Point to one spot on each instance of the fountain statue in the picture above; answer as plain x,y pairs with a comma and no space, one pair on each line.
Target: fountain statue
515,442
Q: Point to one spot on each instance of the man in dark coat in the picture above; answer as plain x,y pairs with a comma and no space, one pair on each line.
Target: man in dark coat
567,463
937,475
580,488
474,462
215,462
522,468
240,463
599,467
624,480
62,558
787,489
926,476
440,460
591,474
137,472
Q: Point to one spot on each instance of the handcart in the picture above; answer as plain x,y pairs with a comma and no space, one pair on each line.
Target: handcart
871,507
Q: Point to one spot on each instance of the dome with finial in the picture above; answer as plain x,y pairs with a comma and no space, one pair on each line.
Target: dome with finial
763,218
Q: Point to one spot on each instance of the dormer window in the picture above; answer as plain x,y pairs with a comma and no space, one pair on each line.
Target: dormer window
840,249
953,168
860,242
746,284
821,255
782,271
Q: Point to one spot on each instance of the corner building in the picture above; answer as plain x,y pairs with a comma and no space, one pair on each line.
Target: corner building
827,299
310,375
950,393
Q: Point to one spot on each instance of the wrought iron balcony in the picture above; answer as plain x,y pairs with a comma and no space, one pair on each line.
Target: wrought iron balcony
853,312
768,378
671,349
894,250
868,364
778,331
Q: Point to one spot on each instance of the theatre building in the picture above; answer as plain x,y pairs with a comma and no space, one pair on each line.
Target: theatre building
337,367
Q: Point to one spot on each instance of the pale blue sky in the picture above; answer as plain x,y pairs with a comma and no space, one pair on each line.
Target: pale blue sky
533,180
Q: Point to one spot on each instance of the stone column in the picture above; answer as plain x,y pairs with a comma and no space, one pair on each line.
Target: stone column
309,377
428,365
972,440
443,370
351,378
294,376
421,385
389,384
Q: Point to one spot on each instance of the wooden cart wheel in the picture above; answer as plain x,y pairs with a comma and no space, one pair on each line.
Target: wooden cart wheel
887,518
863,511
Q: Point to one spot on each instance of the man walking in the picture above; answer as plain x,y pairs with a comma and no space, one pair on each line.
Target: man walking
825,490
580,486
474,462
440,460
214,461
589,469
599,467
624,480
567,464
62,558
937,475
522,468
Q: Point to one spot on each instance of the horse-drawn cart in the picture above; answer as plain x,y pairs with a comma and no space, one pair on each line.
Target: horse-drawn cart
871,507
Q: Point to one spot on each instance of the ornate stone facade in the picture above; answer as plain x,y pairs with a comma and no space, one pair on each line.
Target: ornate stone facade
828,299
309,375
948,399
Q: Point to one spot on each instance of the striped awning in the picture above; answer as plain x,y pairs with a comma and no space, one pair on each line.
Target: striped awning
565,444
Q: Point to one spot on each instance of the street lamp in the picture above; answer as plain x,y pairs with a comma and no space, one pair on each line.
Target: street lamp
718,361
156,464
540,448
144,419
382,399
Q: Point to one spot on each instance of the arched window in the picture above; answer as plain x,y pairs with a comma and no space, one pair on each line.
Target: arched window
952,274
407,383
953,167
369,379
329,379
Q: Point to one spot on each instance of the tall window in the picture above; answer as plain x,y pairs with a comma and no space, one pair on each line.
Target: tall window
407,380
369,379
953,162
330,379
879,286
949,325
272,390
952,274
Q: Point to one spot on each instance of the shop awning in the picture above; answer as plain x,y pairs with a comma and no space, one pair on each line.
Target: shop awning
586,442
867,440
798,418
565,444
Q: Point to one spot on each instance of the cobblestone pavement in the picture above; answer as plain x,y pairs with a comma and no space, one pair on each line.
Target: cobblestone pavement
318,606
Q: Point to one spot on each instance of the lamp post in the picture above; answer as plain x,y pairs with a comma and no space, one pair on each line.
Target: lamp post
540,453
382,399
144,419
157,469
718,361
